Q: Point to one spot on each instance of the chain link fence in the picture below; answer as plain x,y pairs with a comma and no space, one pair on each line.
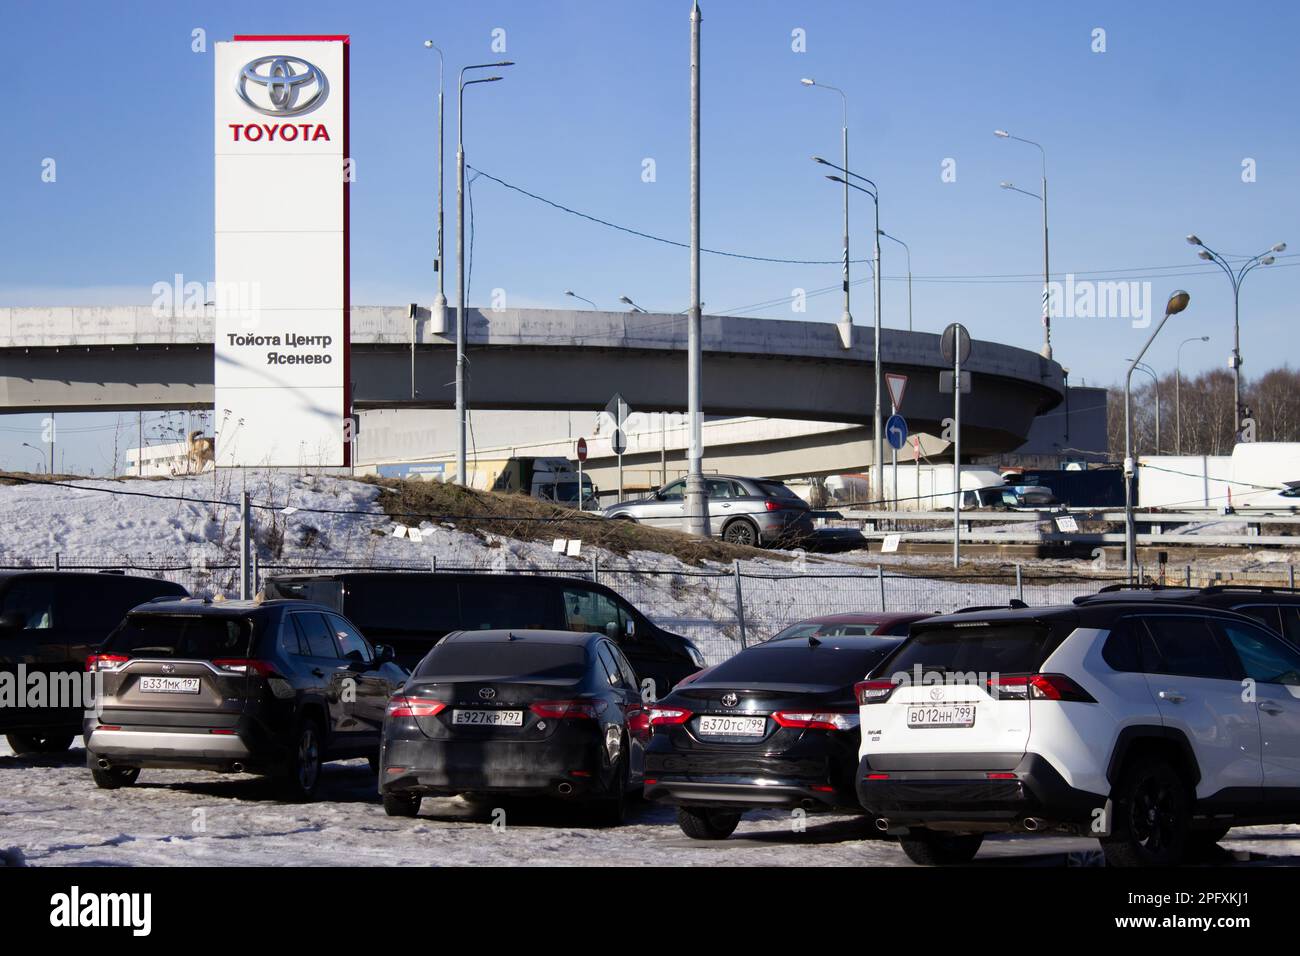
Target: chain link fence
720,609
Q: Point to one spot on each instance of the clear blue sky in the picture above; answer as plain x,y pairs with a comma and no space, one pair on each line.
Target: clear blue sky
1144,143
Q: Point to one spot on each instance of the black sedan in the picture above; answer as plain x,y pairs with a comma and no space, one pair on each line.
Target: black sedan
538,713
774,726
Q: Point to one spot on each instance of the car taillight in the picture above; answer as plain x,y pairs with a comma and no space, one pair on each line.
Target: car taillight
568,709
244,665
771,505
667,716
816,720
873,691
1038,687
414,707
105,662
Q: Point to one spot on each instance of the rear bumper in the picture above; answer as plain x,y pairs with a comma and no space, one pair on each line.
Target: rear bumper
443,767
950,797
167,748
737,792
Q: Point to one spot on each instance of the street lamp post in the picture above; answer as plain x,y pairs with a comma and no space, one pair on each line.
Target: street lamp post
1155,383
1178,398
461,325
909,275
41,452
573,295
1236,277
846,319
626,301
438,315
1047,271
877,434
1177,302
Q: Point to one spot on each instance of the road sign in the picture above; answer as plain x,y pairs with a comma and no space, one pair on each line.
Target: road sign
955,332
896,431
896,382
582,449
618,409
945,383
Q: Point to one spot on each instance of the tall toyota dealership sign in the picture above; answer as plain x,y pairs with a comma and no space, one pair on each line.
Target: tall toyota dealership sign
282,385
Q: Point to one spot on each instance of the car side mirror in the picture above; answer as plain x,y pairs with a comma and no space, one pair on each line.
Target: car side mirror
11,622
384,654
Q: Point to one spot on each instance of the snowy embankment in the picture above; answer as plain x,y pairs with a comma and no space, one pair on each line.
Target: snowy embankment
172,528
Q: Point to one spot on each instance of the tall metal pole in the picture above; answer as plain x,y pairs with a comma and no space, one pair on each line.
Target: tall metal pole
697,512
1178,400
438,315
956,449
878,434
461,325
1047,274
1177,302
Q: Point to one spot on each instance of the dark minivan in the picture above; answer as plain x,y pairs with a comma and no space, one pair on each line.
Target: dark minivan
412,611
50,621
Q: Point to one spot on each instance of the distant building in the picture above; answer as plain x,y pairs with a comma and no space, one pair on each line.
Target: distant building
1074,431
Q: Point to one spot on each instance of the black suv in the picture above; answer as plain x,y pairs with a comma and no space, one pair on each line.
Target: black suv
1275,607
413,611
49,622
272,687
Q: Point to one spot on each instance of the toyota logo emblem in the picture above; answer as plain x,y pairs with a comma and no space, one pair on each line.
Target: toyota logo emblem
289,85
729,699
936,693
487,693
168,668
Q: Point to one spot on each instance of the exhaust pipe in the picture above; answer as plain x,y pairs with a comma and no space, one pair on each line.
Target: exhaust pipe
237,767
1033,824
565,789
103,763
882,824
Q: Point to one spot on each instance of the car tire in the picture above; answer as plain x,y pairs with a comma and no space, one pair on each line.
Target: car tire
1152,811
24,745
742,532
301,777
612,811
398,804
701,823
114,778
928,848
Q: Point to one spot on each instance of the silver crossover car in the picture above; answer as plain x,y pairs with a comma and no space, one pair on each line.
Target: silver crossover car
749,511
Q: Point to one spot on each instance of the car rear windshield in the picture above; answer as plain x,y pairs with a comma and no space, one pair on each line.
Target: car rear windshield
774,489
972,648
191,637
504,661
797,662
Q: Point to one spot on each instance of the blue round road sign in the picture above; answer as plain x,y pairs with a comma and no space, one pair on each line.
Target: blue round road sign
896,431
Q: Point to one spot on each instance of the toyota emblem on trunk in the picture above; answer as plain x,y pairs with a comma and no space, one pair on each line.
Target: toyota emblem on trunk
936,693
487,693
729,699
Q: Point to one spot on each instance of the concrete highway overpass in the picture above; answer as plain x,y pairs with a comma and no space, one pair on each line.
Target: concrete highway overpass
129,358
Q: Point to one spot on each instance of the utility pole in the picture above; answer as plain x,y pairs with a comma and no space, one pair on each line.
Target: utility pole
697,512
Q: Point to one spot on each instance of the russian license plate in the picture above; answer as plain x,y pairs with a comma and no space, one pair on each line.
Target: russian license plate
487,718
169,685
943,715
733,726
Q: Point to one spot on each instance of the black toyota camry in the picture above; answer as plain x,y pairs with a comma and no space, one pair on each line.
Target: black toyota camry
774,726
544,713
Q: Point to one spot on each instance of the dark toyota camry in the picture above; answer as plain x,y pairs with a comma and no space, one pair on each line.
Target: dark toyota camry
774,726
543,713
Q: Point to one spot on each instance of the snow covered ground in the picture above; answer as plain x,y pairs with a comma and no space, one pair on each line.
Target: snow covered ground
51,814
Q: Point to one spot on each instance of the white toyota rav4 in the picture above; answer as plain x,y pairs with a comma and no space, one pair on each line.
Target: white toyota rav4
1153,726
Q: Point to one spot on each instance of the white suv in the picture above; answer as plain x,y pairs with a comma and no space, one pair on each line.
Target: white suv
1153,726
